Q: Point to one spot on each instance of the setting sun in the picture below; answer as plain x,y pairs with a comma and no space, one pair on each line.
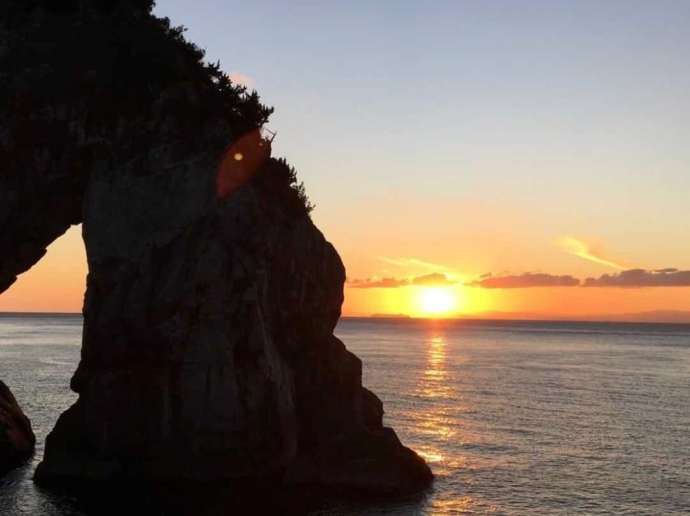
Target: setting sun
437,301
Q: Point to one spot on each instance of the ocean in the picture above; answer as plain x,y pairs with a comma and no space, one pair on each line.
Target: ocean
513,417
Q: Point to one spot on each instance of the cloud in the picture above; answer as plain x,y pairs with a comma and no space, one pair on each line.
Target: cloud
242,79
378,283
414,262
526,280
588,251
433,279
638,278
427,280
632,278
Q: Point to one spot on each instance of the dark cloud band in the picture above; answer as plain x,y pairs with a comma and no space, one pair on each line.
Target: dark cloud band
640,278
527,280
435,279
634,278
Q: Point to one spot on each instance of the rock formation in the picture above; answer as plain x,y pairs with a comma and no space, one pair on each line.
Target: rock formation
16,437
208,350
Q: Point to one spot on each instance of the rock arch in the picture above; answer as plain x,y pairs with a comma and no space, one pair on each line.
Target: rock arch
208,335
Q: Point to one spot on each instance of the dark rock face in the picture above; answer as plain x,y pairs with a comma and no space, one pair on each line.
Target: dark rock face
208,350
208,347
16,437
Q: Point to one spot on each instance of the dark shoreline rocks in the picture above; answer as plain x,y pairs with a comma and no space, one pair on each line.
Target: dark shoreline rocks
17,440
208,352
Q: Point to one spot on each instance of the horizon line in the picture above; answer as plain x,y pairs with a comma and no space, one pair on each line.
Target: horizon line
477,317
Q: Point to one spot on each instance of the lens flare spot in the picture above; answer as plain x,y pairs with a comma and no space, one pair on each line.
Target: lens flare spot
241,160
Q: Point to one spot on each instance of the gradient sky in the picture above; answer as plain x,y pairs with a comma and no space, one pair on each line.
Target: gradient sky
464,138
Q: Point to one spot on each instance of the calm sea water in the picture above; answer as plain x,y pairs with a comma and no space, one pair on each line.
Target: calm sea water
514,417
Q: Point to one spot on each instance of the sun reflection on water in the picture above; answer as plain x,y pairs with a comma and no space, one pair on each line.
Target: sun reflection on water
434,387
437,423
462,505
435,381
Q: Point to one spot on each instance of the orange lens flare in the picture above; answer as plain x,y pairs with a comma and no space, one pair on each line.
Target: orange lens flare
241,161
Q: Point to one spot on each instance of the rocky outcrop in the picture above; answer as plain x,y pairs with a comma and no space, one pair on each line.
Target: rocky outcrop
208,350
16,437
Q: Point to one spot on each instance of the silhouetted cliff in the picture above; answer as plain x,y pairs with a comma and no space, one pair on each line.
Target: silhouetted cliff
208,350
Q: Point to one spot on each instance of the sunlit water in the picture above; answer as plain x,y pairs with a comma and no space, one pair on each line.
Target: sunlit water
514,418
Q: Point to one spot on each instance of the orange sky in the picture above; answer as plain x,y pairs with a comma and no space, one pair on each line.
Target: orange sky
57,284
54,284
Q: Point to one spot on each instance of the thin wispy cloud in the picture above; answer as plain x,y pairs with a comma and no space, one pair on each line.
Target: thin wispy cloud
588,251
434,279
242,79
378,283
414,262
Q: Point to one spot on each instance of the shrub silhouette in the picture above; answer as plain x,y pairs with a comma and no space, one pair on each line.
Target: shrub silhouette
278,181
